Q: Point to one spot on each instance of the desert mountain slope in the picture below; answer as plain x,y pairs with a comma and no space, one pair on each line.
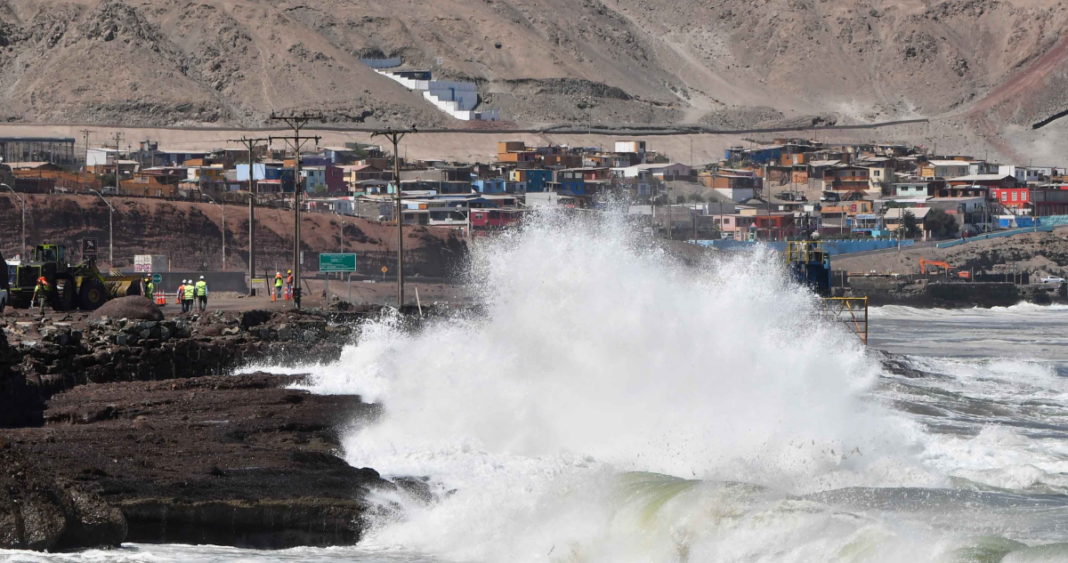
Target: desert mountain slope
727,63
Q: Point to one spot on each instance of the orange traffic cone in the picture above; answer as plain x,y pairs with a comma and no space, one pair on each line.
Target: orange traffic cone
274,296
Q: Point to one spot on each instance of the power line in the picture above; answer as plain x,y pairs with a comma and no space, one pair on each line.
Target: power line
251,145
296,122
118,148
395,137
86,133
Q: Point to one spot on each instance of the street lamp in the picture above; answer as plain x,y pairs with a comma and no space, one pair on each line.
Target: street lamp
22,203
111,232
223,207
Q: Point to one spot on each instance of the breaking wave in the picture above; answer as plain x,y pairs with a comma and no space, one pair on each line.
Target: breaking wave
610,404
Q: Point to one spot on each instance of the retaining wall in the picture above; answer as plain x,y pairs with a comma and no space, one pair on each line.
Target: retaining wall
834,248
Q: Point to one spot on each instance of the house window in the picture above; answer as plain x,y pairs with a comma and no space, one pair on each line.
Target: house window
1014,195
1004,196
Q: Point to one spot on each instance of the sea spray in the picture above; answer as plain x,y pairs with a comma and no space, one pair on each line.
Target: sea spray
596,355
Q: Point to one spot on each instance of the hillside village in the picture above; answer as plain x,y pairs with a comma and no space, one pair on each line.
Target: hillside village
770,190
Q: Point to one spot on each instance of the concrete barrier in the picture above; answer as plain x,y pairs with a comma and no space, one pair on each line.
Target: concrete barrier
217,281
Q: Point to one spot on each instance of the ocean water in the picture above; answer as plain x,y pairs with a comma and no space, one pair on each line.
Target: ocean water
611,405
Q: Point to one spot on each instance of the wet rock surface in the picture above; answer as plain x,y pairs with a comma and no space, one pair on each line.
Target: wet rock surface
129,430
42,358
41,511
227,460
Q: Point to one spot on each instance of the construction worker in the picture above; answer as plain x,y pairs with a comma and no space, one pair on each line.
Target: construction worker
41,291
181,295
150,289
289,282
187,292
202,294
278,285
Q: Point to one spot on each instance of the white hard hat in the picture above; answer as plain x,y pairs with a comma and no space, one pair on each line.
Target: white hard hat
201,277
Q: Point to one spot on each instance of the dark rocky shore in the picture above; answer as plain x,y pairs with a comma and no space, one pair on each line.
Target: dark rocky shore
117,430
885,290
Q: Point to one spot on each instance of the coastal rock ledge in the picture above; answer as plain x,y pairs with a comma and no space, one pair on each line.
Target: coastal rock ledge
227,460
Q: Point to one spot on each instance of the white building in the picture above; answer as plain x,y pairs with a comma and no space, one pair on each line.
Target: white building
949,168
632,147
1023,174
100,157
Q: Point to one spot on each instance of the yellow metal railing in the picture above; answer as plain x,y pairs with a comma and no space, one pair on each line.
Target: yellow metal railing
849,311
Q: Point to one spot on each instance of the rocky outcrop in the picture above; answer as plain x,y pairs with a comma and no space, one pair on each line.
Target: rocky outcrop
894,291
131,307
57,356
226,460
41,513
20,403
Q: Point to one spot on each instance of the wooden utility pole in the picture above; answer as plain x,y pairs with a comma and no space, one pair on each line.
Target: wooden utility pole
395,137
250,144
118,147
296,122
85,133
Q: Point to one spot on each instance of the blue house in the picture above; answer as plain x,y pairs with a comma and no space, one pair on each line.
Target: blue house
569,181
490,186
758,155
259,171
535,178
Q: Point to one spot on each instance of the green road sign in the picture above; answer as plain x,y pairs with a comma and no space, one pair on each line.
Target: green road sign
157,279
332,263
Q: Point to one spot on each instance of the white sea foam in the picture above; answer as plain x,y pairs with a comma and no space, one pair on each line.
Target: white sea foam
597,361
596,356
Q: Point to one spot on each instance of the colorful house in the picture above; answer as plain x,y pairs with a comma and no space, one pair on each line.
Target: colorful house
534,178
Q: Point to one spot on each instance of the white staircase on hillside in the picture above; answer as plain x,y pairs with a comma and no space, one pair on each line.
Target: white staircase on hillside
457,99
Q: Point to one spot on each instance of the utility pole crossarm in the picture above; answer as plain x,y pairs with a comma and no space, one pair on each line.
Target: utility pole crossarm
295,122
251,145
395,137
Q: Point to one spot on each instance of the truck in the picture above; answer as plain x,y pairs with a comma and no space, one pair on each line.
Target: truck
79,286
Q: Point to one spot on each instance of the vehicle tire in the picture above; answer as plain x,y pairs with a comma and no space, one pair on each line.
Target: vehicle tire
65,297
92,295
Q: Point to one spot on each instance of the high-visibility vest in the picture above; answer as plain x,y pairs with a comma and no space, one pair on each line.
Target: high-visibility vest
150,289
289,280
188,289
278,281
202,288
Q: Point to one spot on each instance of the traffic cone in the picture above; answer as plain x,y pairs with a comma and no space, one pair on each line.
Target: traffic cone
274,296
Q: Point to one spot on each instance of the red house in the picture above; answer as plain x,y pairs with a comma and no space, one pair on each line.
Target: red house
494,218
1012,197
775,226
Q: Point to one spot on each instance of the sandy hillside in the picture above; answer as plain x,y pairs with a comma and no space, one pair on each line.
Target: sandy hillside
724,64
1042,253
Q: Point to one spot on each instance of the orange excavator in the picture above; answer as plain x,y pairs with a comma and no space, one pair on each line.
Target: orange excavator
924,264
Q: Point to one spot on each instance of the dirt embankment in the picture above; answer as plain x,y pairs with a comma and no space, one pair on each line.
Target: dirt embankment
1041,254
191,234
